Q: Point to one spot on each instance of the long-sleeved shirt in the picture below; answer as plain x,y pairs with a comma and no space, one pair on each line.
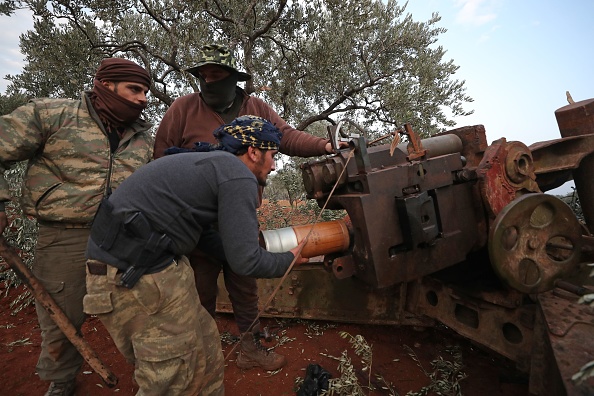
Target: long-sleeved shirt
184,195
190,120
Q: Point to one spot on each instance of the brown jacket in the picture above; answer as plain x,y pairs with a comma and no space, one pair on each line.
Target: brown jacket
190,120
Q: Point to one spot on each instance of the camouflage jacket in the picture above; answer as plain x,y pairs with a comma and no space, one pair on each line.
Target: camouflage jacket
70,164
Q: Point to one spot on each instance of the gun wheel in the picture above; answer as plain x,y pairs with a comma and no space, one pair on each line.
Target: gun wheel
533,241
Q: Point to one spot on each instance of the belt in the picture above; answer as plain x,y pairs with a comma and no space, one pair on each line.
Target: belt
61,224
97,268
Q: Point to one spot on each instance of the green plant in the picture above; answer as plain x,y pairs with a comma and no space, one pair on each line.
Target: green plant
311,208
273,215
587,370
362,349
446,375
347,383
573,201
20,233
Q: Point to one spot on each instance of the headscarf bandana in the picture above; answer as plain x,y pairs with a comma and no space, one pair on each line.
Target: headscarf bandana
113,109
244,131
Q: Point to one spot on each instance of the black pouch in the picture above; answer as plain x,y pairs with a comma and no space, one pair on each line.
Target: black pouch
316,381
105,227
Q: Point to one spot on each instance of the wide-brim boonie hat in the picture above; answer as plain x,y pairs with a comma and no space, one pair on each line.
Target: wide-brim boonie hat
219,55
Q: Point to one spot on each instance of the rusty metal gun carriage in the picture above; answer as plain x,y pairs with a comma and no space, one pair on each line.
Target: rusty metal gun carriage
452,229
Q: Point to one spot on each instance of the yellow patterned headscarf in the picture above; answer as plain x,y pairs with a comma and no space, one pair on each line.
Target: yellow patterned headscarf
246,131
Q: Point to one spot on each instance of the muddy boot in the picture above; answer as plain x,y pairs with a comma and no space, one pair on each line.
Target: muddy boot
253,354
61,388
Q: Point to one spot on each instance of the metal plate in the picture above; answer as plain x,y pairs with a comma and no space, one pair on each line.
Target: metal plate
534,240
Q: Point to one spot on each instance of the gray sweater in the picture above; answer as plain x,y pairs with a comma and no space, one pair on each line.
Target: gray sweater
184,195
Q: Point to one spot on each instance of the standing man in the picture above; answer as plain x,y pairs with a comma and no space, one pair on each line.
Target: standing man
142,287
193,118
78,151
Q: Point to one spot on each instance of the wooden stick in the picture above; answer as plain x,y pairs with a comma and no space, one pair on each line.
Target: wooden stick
56,313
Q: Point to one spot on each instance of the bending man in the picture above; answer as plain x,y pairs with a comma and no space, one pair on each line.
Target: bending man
139,283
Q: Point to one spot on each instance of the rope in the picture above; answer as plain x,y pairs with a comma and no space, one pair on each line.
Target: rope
302,244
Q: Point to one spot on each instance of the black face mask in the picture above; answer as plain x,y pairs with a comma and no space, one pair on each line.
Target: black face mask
219,94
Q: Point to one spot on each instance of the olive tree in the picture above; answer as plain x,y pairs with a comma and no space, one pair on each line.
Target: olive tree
315,61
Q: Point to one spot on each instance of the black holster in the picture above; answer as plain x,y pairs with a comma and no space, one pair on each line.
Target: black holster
129,237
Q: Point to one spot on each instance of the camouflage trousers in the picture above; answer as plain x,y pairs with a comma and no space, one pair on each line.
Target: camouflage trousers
162,328
60,267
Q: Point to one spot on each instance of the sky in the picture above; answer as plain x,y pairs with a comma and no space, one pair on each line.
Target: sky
517,58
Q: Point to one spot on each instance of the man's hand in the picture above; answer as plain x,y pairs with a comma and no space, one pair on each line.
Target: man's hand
297,253
3,222
330,150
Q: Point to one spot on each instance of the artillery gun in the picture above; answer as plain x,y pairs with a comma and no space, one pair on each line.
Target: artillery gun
454,230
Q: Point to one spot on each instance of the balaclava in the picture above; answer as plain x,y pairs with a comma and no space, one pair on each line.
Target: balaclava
219,94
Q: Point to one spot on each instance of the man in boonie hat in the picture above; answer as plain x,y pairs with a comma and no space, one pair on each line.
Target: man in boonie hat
204,199
192,118
218,75
78,151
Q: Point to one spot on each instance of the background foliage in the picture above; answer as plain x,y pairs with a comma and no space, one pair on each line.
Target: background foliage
314,61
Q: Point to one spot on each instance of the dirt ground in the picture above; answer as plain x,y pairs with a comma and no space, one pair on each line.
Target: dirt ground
303,342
